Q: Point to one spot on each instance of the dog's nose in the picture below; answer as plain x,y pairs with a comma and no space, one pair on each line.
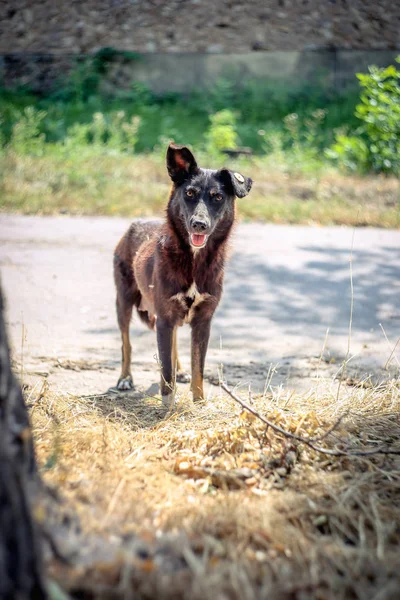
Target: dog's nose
199,224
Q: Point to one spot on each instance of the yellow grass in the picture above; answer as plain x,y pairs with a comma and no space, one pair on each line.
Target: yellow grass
261,516
138,186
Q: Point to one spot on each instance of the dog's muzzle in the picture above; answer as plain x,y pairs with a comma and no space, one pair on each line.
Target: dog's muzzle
199,232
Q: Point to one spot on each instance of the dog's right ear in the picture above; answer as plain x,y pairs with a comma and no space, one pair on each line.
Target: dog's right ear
180,163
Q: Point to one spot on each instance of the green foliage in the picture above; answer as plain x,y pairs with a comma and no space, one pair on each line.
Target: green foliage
26,137
351,152
297,147
185,118
375,144
2,137
73,150
221,134
110,133
84,80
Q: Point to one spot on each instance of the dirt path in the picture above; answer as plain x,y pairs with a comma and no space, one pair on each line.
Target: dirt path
285,286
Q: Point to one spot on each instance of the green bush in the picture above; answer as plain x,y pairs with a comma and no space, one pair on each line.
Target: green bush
26,137
184,117
105,133
296,148
112,133
84,81
374,146
350,152
221,134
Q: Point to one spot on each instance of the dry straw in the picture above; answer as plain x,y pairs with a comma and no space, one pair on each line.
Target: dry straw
261,513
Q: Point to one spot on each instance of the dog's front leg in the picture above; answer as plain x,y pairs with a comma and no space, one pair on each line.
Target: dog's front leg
200,336
165,333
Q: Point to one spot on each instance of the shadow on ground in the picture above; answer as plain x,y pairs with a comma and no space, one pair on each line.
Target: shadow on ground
312,297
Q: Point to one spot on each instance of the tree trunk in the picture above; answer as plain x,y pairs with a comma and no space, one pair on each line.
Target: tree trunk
20,545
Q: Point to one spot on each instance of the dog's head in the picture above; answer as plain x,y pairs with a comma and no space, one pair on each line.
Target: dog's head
202,199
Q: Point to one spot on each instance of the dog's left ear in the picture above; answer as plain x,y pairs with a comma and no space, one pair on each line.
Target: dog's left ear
180,163
236,183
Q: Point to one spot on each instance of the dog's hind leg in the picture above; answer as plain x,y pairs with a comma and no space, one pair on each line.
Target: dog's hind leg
127,296
124,314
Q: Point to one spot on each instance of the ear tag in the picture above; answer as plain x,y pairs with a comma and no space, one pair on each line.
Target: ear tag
239,177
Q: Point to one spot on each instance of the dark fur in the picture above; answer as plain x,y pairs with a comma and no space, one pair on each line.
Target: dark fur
158,271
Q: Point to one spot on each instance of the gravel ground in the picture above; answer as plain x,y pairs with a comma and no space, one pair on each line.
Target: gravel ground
285,287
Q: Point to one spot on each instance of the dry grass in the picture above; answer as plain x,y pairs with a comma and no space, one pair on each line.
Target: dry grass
138,186
260,516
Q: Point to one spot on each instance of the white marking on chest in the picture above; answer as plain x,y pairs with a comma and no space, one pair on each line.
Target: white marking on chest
194,294
193,291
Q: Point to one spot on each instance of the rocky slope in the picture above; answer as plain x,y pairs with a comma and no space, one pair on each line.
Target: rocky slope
45,26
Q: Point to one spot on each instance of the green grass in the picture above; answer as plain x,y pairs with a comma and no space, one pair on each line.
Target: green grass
185,118
79,151
97,183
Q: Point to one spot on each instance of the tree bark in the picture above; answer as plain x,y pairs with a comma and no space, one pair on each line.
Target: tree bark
21,575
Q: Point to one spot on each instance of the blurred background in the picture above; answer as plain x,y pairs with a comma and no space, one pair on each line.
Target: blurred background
91,92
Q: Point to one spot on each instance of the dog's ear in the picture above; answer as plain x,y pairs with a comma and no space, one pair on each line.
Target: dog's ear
236,183
180,163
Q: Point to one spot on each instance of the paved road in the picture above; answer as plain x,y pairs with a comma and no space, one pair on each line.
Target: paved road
285,286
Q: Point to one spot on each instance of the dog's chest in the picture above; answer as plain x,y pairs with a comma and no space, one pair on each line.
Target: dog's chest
190,300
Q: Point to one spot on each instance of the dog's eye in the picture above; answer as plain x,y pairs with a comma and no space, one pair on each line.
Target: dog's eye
189,193
218,197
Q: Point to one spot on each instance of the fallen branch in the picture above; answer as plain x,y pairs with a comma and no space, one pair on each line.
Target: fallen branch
310,442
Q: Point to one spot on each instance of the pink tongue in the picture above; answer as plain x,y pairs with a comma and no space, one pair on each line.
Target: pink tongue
198,240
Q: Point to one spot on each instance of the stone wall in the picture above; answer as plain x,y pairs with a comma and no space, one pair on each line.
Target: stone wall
211,26
191,43
322,69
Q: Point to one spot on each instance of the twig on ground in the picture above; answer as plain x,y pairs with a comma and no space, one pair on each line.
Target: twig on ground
114,500
393,352
311,441
331,429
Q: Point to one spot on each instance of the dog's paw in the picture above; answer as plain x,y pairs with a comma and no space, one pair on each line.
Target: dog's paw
168,400
199,400
125,383
183,377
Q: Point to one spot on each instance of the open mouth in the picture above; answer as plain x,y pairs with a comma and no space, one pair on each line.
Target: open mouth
198,240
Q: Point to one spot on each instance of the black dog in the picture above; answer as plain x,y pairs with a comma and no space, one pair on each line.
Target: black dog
173,271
